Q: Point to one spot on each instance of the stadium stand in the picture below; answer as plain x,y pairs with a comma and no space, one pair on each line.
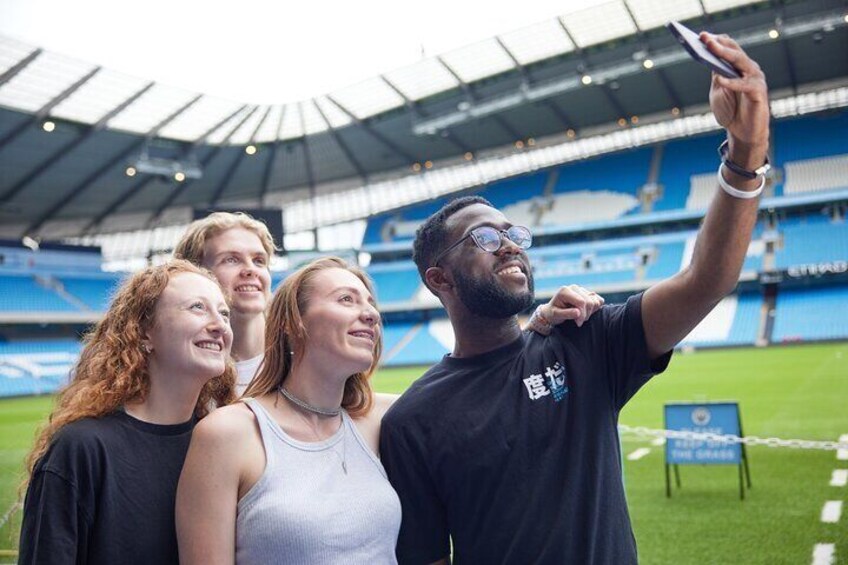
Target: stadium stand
19,293
734,321
94,293
811,314
36,366
628,254
421,348
681,160
816,175
810,239
395,281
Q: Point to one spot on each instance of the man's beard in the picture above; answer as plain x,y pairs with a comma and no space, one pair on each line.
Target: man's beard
488,299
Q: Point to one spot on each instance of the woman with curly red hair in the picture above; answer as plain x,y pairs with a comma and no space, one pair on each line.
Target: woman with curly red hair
103,474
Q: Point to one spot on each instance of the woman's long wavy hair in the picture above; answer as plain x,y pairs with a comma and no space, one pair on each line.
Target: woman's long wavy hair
112,368
286,337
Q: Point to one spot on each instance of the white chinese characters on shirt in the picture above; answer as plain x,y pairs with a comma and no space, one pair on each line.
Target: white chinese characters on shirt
550,383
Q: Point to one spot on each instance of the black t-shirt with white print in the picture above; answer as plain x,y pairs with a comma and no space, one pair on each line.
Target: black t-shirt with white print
514,454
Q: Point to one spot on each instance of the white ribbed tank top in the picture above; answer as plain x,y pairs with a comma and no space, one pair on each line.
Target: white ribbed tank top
305,510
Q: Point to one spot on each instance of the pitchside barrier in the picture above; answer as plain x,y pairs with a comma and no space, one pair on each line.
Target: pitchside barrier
729,439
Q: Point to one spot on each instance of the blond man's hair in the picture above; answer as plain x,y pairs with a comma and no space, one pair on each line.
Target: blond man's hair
192,245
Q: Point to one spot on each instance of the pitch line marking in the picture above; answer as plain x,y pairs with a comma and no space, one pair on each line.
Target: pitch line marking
824,554
638,454
831,511
839,478
658,441
9,512
842,454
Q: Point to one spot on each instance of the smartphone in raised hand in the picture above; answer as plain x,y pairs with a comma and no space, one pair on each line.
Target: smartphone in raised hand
696,48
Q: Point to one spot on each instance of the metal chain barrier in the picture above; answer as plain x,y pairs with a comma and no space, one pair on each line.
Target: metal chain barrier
730,439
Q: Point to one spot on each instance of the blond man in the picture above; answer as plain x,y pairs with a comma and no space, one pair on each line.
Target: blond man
237,249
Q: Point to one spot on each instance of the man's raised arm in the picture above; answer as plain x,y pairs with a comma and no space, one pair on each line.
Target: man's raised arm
672,308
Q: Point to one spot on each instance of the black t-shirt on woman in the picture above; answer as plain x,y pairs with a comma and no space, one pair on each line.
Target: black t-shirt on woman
104,493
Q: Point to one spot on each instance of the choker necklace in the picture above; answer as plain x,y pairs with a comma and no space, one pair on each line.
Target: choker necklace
329,413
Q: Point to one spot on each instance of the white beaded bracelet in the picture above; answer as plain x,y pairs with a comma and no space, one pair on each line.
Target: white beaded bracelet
539,323
735,192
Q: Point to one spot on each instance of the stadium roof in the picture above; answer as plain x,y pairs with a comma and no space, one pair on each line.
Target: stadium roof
116,141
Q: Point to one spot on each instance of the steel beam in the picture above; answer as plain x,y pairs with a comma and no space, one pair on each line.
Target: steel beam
373,132
45,110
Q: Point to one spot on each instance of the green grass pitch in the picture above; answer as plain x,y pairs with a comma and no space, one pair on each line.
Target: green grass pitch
798,392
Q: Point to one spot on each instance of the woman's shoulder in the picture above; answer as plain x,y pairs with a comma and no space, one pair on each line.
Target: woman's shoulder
81,443
86,431
382,402
226,424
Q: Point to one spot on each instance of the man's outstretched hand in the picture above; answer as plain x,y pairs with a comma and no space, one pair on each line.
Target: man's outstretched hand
740,105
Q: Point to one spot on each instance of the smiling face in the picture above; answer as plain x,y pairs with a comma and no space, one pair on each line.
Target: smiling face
341,321
191,336
241,265
490,285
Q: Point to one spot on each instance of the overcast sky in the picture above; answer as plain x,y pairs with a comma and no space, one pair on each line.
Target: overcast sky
264,51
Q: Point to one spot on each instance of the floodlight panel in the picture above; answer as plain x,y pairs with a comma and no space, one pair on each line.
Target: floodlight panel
536,42
336,117
712,6
368,98
197,119
12,52
292,125
650,13
98,96
599,23
151,109
218,136
42,81
269,129
422,79
243,134
478,60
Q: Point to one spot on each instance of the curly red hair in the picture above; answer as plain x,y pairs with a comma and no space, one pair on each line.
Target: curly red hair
112,367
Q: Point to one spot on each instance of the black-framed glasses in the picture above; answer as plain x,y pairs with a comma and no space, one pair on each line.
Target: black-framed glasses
490,239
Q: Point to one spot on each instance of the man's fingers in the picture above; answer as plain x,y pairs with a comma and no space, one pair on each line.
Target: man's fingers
560,315
594,301
727,49
740,85
573,302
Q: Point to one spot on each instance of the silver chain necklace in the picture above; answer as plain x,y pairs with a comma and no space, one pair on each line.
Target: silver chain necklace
327,412
321,412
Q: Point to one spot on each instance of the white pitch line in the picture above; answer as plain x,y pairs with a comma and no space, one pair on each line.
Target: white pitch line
842,454
839,478
824,554
658,441
9,513
638,454
831,511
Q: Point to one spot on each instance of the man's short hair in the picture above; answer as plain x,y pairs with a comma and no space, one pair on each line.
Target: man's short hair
193,242
431,236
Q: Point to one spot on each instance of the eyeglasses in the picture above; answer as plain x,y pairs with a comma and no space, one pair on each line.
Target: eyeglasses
490,239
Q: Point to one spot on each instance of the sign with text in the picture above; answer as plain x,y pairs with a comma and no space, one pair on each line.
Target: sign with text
706,418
